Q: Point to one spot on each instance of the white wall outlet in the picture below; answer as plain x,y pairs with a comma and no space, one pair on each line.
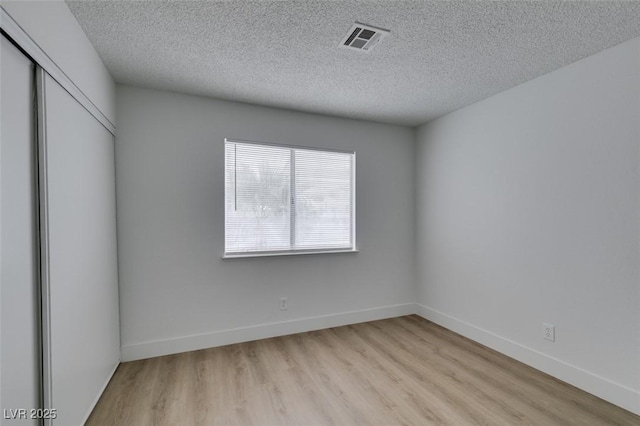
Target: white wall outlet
549,331
284,304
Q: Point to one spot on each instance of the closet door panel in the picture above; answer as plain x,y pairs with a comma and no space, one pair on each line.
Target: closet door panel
19,296
83,294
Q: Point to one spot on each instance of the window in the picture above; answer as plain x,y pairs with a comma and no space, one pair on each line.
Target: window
287,200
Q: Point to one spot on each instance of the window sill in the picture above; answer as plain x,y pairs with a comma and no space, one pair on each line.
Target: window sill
286,253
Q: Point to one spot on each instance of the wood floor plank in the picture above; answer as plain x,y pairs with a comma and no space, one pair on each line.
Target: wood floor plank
399,371
476,380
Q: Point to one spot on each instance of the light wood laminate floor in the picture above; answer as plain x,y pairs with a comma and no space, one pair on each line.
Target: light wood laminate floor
400,371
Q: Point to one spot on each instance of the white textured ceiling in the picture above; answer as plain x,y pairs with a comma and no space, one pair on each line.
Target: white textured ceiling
439,56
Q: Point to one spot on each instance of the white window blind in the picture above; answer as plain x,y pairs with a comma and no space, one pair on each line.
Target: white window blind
282,199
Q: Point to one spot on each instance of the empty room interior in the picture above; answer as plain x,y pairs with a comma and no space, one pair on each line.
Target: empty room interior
320,213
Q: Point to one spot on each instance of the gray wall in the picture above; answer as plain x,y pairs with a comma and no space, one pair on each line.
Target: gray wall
527,212
178,294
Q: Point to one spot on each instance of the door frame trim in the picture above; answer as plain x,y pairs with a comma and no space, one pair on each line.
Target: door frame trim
43,213
39,56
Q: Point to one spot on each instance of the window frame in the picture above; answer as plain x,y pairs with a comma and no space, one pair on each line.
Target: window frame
290,252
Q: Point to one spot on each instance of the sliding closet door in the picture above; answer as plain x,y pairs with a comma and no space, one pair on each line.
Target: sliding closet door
19,297
82,335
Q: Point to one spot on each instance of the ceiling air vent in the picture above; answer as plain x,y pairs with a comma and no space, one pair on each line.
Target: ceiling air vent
363,37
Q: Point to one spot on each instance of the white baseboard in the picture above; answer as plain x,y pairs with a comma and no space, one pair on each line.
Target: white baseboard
97,398
608,390
615,393
262,331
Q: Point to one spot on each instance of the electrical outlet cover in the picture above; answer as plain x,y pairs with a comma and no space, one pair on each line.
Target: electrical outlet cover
549,331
